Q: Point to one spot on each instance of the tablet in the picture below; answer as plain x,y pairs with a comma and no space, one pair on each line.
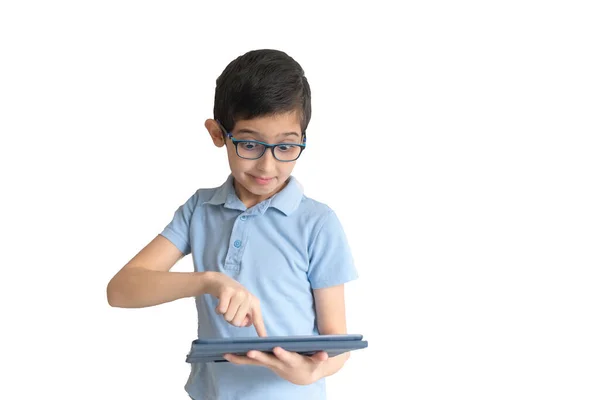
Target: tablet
212,350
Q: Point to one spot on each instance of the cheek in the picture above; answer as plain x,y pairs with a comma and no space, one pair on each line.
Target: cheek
234,160
238,164
286,168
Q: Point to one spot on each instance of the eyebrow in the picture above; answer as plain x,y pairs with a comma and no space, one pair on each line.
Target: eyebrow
250,131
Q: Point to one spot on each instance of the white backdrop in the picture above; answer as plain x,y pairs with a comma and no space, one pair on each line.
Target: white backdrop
457,141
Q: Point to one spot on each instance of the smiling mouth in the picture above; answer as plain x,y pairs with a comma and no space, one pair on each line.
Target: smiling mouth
261,180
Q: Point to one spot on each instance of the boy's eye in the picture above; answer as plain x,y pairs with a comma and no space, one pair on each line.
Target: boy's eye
284,147
248,145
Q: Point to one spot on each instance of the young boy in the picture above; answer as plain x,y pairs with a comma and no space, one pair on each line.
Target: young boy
267,259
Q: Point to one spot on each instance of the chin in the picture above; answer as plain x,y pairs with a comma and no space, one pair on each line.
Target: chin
262,189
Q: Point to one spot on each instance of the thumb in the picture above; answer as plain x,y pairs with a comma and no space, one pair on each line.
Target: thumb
320,356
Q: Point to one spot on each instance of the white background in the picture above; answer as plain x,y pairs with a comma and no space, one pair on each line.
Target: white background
457,141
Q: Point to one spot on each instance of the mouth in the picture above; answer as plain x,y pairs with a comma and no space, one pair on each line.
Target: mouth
262,180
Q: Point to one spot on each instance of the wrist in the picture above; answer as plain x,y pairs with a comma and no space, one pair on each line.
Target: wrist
203,282
331,366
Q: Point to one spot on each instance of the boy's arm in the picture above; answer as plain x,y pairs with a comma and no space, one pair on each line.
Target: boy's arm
331,320
146,280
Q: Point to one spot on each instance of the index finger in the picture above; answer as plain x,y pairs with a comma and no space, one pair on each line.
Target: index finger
258,322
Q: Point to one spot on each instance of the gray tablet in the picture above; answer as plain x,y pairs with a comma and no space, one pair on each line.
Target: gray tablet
212,350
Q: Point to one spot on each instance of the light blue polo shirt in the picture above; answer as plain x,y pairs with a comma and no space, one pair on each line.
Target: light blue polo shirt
279,249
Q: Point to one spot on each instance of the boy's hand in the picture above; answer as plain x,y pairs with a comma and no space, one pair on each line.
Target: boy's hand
293,367
238,306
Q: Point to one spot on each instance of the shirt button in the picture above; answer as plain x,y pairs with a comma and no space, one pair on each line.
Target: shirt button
243,217
237,244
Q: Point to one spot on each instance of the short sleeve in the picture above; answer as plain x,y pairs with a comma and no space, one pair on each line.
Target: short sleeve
178,230
330,259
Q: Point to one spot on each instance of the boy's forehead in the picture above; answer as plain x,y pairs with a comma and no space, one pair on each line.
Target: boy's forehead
271,125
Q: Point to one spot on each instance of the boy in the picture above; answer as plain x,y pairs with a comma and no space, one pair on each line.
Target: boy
267,259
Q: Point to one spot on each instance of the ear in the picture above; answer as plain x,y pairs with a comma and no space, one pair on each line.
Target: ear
215,132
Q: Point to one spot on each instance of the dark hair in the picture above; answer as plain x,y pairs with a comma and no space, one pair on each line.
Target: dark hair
260,83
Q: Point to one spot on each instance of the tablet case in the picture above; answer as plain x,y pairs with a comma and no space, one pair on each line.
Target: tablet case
212,350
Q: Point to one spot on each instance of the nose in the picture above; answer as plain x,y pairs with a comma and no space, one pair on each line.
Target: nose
267,161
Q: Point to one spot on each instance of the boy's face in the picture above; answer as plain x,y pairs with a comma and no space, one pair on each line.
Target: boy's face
257,180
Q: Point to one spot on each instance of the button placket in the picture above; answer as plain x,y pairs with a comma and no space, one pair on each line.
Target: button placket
236,243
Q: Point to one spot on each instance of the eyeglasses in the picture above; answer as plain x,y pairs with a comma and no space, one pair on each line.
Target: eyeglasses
253,149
